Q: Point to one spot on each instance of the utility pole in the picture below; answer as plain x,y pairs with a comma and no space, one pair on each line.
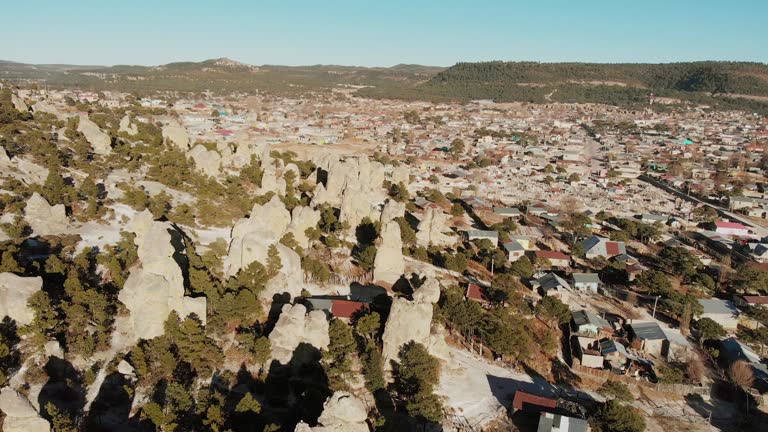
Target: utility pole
655,302
492,260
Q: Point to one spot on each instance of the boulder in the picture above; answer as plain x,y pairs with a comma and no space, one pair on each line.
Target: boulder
45,107
207,161
45,219
19,104
431,229
125,368
175,133
20,415
428,292
295,327
53,349
252,236
127,126
15,291
301,219
3,155
342,412
100,142
389,264
155,288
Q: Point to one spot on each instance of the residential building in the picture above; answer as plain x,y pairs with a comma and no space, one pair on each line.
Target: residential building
586,282
596,246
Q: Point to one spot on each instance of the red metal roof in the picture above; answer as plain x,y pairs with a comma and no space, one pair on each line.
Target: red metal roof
550,255
612,248
531,402
756,299
734,225
475,292
346,308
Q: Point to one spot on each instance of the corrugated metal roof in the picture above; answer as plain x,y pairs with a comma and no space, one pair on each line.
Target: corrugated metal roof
648,330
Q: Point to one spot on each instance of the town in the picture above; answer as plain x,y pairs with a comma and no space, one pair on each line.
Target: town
360,263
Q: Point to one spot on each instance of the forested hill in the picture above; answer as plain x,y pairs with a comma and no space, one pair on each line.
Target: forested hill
721,84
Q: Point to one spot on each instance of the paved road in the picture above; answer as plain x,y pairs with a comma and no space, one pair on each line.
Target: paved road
760,230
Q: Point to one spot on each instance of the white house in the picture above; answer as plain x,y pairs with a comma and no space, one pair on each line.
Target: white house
515,250
586,282
731,229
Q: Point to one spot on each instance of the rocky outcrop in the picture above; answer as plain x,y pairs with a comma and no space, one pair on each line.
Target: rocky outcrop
301,219
207,161
15,291
392,210
342,412
100,142
45,219
20,415
45,107
290,278
356,205
271,180
295,327
19,104
364,176
176,134
155,288
251,239
400,174
252,236
389,264
22,169
127,126
431,229
409,320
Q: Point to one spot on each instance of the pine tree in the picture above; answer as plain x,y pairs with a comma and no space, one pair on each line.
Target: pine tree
274,263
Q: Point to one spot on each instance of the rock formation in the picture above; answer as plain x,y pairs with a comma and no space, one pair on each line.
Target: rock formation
252,236
175,133
19,104
45,107
290,278
155,288
4,156
207,161
357,204
20,415
295,327
400,174
44,218
127,126
392,209
389,264
431,229
100,142
301,219
15,291
342,412
409,320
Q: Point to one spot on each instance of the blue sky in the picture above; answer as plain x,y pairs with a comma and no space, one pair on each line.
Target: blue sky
382,32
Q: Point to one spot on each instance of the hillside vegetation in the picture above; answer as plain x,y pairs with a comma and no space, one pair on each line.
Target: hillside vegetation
625,85
722,85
